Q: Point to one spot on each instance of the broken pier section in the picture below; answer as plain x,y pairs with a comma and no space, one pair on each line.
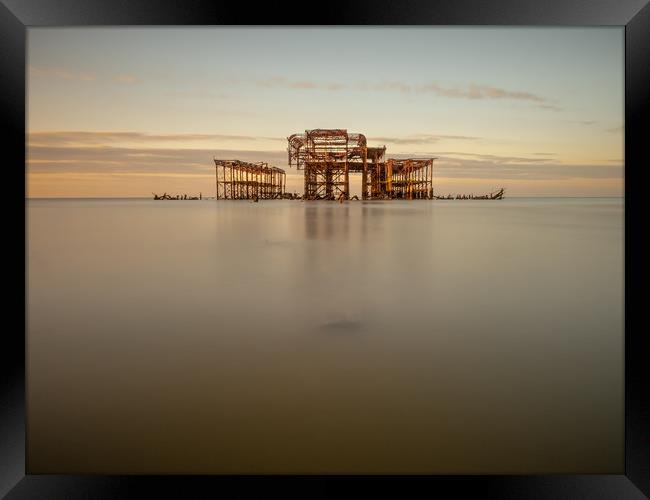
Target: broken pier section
240,180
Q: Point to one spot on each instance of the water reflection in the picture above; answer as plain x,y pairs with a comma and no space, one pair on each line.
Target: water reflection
326,220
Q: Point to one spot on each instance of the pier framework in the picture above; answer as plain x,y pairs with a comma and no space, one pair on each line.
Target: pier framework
329,156
240,180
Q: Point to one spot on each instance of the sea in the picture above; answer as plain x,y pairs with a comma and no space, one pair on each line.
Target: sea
316,337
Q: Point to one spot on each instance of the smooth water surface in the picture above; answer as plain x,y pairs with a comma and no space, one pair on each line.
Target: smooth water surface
318,337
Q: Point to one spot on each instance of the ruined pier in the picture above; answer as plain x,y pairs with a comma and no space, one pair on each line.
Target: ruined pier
241,180
329,156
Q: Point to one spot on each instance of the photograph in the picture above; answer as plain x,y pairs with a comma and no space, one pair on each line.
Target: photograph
330,250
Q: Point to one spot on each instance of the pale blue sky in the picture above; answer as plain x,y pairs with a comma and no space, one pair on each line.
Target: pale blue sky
530,93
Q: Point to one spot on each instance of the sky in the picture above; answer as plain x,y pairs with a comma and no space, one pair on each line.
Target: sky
124,112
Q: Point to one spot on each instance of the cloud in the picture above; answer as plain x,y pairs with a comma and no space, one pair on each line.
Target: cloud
201,94
471,91
551,107
279,81
132,153
64,74
421,139
393,86
615,130
125,79
120,160
504,168
474,91
128,139
495,158
107,159
60,73
78,138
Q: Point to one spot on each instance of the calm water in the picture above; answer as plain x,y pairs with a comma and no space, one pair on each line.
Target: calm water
284,336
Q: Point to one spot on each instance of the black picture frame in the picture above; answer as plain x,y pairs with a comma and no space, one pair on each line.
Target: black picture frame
634,15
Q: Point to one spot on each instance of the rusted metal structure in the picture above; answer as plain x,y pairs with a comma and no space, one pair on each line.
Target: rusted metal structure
409,179
329,156
240,180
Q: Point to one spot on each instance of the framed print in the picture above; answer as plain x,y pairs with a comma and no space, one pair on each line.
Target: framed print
397,245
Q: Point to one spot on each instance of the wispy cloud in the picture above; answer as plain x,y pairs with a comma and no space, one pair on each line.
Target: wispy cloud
61,73
132,153
472,91
125,79
583,122
279,81
551,107
168,161
107,159
393,86
65,74
421,139
108,138
614,130
201,94
494,159
78,138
